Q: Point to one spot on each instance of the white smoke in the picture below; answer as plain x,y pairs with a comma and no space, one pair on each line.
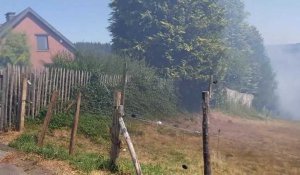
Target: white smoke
285,60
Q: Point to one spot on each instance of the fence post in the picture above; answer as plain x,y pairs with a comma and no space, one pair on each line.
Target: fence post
205,123
124,81
115,131
211,80
23,104
47,118
75,125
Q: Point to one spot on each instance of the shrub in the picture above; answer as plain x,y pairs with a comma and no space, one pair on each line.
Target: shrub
146,93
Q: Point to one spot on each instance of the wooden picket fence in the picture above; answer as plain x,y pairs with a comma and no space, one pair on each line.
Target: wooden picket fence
41,84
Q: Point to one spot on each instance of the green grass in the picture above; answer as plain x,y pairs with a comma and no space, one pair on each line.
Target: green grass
85,161
95,128
92,126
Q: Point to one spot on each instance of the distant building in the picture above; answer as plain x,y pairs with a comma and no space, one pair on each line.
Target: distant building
44,40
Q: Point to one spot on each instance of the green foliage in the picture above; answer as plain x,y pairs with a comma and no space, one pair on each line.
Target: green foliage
93,48
61,120
94,127
182,38
146,93
14,50
249,69
97,97
190,40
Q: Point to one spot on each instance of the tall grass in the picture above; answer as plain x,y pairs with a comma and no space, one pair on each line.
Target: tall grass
240,110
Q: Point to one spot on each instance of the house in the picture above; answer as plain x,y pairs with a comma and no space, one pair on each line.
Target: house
44,40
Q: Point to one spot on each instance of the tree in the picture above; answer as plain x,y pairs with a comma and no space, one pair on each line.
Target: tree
14,49
181,38
249,69
191,39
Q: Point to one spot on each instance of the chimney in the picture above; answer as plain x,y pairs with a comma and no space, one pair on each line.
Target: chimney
9,16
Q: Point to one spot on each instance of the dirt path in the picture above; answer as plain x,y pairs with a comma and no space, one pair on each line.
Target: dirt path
17,163
13,162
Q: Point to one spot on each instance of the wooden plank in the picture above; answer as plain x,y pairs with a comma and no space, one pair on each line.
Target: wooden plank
15,99
82,78
56,84
23,104
67,85
63,88
34,84
38,96
29,91
75,125
46,86
11,90
55,80
47,118
3,105
79,78
60,89
51,75
8,79
42,90
73,82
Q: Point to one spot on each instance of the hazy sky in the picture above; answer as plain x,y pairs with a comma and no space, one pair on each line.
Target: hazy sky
87,20
277,20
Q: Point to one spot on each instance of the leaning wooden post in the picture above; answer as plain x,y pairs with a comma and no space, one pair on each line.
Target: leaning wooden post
23,104
47,118
125,133
75,125
205,123
115,131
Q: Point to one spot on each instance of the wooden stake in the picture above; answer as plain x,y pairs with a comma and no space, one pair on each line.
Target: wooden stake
211,80
124,79
205,123
47,118
75,125
3,100
23,104
115,131
11,88
219,132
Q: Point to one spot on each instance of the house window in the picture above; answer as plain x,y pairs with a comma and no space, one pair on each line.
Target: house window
42,42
